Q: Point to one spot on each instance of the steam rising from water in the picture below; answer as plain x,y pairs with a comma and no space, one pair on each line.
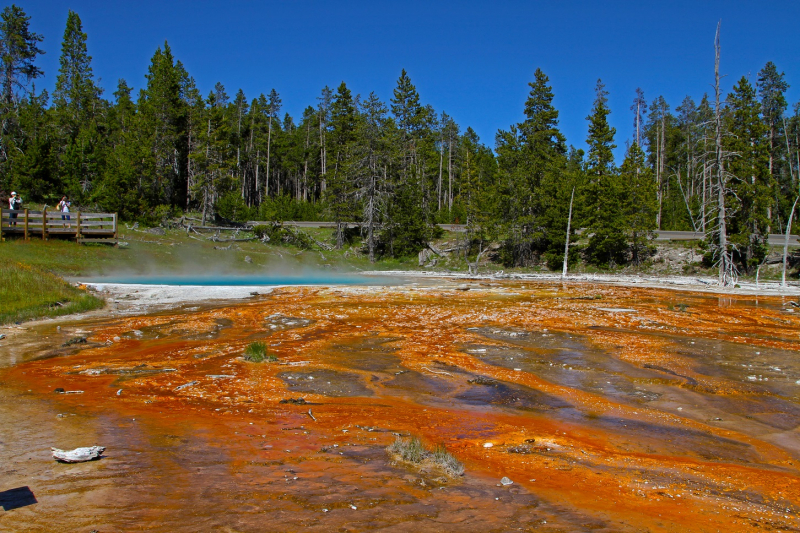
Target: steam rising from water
204,266
237,280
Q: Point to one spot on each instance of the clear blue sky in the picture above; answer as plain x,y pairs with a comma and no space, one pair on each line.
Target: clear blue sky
470,59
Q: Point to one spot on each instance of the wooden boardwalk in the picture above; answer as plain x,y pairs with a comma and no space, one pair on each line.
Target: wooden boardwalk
82,227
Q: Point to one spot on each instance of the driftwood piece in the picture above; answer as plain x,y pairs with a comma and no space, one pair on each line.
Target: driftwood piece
181,387
78,455
442,372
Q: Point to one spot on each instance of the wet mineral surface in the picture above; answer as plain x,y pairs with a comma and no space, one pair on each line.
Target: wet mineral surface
610,409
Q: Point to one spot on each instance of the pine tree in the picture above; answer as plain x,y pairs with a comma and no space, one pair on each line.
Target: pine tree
406,107
531,157
373,156
214,157
161,130
118,189
34,163
19,48
639,203
273,109
771,88
341,185
608,242
79,113
753,188
407,230
195,123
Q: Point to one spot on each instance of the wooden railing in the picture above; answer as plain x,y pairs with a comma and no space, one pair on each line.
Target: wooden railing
84,227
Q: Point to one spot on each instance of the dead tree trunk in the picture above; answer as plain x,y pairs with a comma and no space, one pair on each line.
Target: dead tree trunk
473,267
727,270
794,206
566,241
786,241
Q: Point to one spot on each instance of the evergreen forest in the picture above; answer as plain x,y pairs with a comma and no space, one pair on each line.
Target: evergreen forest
726,165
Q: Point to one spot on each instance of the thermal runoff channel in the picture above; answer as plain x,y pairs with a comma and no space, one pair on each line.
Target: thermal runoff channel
429,407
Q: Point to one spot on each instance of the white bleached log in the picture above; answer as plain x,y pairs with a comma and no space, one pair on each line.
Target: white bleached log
78,455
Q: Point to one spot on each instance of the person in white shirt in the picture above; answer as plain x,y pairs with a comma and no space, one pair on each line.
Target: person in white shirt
63,206
15,204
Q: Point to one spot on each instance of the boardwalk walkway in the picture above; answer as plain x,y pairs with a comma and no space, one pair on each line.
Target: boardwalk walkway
83,227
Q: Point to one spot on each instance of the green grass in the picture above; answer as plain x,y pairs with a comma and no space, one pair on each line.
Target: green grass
256,352
28,292
412,451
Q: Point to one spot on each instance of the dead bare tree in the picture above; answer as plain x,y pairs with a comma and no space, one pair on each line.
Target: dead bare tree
794,206
566,241
728,274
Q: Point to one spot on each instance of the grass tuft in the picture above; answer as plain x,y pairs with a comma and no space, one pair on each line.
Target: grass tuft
27,292
412,451
256,352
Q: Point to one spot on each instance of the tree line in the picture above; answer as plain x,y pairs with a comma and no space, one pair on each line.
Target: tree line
725,164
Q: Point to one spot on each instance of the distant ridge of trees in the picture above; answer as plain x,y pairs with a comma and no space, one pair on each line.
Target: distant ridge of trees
727,164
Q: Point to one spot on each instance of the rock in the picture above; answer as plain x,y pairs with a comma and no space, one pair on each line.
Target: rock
157,231
487,444
522,448
78,455
248,259
59,390
505,481
296,401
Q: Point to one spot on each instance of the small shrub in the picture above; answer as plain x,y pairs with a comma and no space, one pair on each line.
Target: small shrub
261,231
412,451
256,352
447,461
278,234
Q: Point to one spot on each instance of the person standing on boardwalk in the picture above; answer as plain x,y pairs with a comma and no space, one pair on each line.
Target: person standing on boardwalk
15,204
63,206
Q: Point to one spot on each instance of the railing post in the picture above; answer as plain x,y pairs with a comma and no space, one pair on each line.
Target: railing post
26,223
44,223
78,226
